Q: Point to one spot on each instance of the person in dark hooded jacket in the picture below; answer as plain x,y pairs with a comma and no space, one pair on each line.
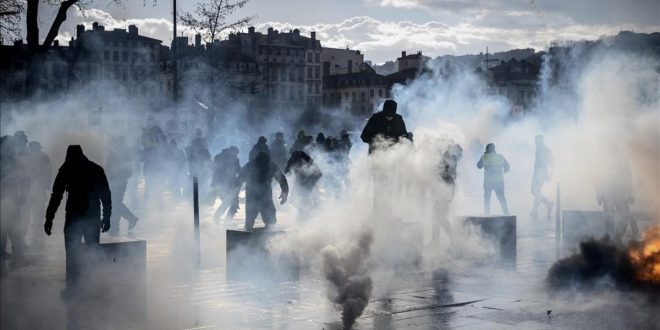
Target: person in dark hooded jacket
278,150
386,124
307,174
226,166
260,146
257,176
87,190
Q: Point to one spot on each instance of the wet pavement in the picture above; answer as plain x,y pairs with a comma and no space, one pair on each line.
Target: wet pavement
487,295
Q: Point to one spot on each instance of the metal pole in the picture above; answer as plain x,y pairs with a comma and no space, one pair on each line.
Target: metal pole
196,218
175,64
558,221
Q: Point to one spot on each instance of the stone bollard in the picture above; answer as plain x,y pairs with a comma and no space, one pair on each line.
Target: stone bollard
248,256
499,228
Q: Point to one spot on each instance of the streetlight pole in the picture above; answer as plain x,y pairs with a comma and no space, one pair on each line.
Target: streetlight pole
175,64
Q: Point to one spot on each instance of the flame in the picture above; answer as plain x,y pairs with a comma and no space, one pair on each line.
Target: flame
645,256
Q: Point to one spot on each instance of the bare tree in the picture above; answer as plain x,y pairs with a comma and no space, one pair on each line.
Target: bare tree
10,11
209,18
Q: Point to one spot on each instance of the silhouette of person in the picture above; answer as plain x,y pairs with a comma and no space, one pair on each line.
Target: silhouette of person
494,165
260,146
303,141
226,167
307,174
442,199
119,170
278,150
543,168
385,125
14,184
37,165
199,163
87,190
257,176
175,160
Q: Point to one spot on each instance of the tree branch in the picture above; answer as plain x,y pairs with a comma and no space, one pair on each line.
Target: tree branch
59,19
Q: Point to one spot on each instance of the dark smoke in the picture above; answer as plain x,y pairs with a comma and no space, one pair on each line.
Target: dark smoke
598,261
350,283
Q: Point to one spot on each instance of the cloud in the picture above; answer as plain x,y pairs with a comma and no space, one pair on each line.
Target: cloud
383,40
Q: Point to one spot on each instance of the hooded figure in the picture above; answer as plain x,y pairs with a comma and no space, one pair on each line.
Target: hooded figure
543,168
37,165
257,176
87,190
14,183
386,124
226,166
278,150
307,175
302,142
494,165
259,147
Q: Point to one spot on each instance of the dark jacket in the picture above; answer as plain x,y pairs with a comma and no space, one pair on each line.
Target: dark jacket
379,125
257,176
86,186
225,169
307,173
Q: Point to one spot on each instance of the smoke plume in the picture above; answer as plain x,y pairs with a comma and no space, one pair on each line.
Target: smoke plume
350,284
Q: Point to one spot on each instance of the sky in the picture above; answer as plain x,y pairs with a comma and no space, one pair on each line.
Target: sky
381,29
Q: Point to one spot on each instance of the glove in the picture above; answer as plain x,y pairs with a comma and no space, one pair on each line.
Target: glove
283,197
48,226
105,226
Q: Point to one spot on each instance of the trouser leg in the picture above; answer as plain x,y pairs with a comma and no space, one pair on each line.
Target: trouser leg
499,191
268,212
251,212
73,246
487,192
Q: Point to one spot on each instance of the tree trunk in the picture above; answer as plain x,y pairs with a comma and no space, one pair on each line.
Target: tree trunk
32,24
59,19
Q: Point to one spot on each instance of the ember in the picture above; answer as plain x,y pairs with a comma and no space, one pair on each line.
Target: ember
645,256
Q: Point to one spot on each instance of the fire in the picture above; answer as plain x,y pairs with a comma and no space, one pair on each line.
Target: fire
645,256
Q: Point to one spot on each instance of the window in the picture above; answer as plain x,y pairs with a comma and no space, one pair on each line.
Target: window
317,88
106,55
380,92
309,57
292,73
317,72
317,58
124,55
309,72
371,93
115,56
152,57
300,74
353,98
363,96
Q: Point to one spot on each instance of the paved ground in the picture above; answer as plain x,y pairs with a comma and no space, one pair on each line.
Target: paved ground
489,295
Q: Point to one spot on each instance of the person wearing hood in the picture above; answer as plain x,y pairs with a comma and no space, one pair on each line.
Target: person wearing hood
303,141
14,184
278,150
226,166
385,125
37,165
494,165
119,170
307,174
260,146
543,168
257,176
87,191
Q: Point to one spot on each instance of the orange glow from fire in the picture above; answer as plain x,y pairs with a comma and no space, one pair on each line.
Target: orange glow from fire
645,257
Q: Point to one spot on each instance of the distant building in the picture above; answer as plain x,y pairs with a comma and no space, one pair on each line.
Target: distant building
287,64
357,92
517,80
409,61
341,61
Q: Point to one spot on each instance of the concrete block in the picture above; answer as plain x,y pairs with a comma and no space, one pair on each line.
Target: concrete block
499,228
248,256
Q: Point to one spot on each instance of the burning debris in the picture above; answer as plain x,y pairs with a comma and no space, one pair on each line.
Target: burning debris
636,265
350,283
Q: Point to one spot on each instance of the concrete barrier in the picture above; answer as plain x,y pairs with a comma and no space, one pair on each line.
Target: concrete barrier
499,228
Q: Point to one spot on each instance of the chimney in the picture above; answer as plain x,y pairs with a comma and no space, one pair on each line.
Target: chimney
132,30
296,32
56,43
403,53
95,26
270,31
198,40
251,30
313,34
80,29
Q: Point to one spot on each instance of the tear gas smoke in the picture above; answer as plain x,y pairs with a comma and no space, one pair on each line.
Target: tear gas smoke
345,268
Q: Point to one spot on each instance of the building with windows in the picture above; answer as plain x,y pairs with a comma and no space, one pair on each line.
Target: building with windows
341,61
358,92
